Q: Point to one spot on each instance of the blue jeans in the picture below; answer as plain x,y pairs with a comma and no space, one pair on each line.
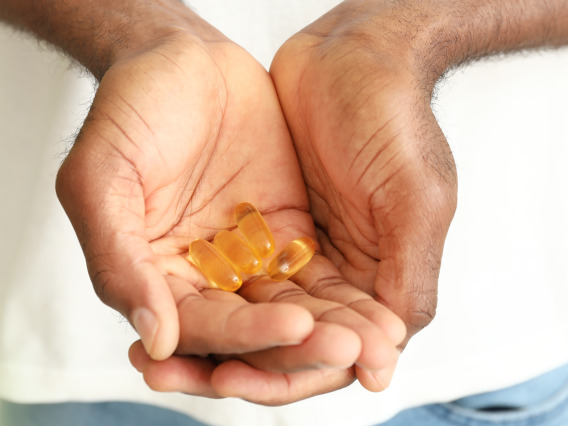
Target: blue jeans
542,401
539,402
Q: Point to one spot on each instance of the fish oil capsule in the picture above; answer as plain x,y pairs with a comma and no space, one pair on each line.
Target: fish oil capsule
291,259
254,229
237,252
217,269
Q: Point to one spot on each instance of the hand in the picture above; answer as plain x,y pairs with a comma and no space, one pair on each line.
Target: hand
178,134
128,164
159,161
380,176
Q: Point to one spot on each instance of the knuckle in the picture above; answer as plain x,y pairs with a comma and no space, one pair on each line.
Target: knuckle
61,182
105,283
442,199
102,283
420,313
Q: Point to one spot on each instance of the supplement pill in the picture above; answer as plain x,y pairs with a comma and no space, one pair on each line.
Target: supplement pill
254,229
217,269
291,259
237,252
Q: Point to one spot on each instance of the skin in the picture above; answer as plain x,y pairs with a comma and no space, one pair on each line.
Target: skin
184,118
184,126
146,177
382,189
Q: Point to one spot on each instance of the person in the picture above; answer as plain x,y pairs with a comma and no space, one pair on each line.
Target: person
184,121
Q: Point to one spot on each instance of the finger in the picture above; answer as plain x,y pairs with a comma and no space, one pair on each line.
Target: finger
321,279
377,349
137,356
328,346
105,203
376,381
237,379
178,266
215,321
191,375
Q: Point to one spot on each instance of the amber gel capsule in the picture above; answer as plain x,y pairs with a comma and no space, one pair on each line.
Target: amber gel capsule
291,259
237,251
216,268
254,229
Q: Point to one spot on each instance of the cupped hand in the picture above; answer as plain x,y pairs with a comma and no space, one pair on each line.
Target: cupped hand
380,176
178,134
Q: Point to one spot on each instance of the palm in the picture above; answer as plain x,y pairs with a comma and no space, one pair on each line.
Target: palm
230,145
174,140
378,194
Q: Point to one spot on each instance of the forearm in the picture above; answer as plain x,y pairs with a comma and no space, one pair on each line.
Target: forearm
431,36
98,33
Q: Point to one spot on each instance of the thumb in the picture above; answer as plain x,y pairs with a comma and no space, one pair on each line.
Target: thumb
103,196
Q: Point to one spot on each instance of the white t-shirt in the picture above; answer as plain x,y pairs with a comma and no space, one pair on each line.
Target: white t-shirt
503,285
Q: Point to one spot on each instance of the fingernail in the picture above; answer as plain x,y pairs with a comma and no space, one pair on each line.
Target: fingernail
145,323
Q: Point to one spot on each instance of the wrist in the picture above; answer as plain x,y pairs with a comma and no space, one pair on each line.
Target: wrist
99,34
136,27
430,36
148,25
118,32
